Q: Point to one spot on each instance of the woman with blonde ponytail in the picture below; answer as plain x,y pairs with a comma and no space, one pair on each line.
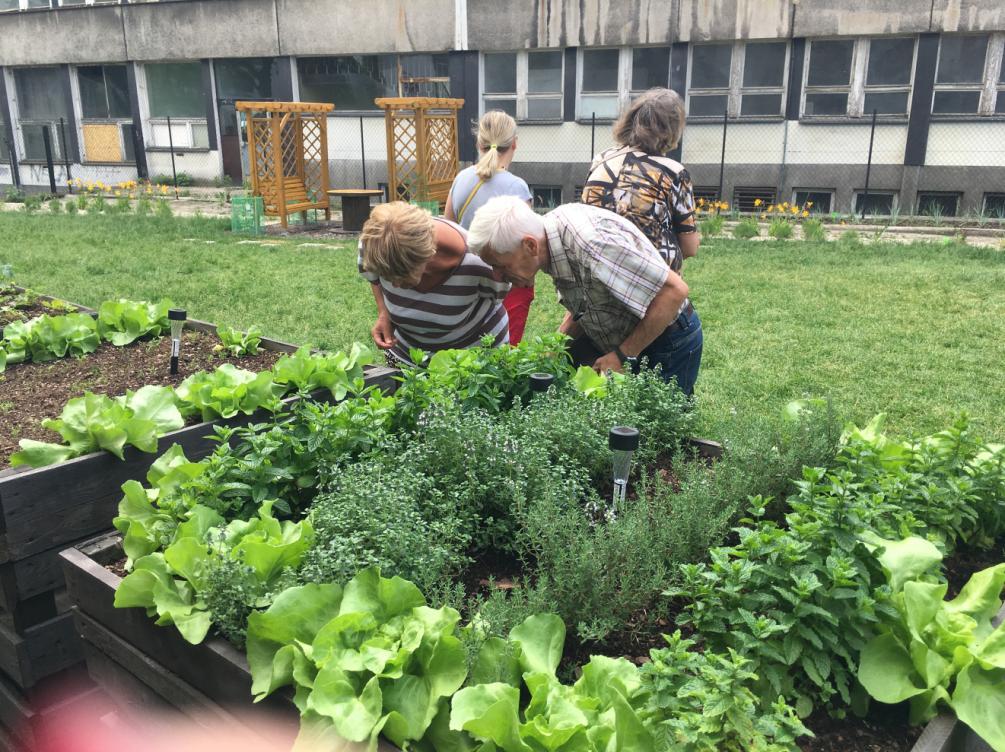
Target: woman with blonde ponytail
490,177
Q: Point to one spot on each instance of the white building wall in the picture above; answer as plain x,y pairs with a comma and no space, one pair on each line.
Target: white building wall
969,143
844,144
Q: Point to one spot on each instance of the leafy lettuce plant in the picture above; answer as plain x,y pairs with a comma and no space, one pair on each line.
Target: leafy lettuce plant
936,652
171,585
237,343
227,391
46,338
95,422
365,660
338,372
122,321
599,712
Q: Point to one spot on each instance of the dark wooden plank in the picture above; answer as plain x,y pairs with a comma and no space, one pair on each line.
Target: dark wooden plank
30,612
83,493
26,717
35,575
41,651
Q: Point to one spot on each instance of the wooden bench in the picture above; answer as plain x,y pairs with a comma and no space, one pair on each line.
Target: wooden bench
355,205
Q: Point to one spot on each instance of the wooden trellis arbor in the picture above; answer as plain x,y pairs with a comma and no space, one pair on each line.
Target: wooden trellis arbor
422,155
288,155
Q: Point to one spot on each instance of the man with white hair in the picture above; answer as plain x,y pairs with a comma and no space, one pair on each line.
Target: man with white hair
620,296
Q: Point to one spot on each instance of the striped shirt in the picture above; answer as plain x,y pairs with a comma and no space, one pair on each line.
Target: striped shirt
605,270
457,312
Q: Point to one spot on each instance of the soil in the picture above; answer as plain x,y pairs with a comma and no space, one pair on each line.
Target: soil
32,392
23,307
884,729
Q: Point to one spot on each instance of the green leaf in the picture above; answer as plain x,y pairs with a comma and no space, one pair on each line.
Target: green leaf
980,598
496,662
384,598
979,701
906,559
41,453
541,639
353,712
489,712
887,671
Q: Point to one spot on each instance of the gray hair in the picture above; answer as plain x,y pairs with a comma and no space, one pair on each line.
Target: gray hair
501,224
653,123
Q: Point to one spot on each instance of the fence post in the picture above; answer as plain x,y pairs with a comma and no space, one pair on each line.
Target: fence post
174,172
593,136
47,145
722,160
362,149
12,155
868,165
62,146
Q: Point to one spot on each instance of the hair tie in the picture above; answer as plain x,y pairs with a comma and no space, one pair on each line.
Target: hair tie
493,146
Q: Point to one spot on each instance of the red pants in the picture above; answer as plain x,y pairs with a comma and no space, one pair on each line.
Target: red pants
517,304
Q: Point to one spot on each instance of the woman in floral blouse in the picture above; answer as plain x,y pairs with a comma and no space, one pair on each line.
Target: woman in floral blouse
636,180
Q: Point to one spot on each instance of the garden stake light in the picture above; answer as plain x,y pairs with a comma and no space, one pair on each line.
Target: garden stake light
177,318
539,382
623,441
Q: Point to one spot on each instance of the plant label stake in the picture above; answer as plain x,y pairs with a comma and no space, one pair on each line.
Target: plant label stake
539,382
623,441
177,318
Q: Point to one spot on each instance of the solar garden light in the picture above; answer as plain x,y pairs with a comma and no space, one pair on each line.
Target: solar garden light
539,382
623,441
177,318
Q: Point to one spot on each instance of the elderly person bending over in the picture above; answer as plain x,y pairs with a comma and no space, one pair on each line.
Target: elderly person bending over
431,293
619,293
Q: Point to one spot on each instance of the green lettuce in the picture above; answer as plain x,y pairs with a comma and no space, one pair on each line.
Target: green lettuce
46,338
96,422
227,391
122,322
337,372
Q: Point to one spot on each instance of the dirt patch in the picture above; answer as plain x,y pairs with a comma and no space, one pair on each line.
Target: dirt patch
21,306
31,392
884,729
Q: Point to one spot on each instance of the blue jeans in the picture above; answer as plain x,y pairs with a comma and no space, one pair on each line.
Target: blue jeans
677,351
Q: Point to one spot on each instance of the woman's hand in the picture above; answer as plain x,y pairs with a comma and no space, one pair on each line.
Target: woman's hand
383,333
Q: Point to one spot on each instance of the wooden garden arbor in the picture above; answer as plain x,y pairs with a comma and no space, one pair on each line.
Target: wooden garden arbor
422,157
288,156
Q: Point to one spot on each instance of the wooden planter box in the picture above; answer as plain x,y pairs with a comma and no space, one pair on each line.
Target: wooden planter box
143,666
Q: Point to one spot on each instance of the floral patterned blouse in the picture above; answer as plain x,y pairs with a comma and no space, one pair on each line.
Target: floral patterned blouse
655,193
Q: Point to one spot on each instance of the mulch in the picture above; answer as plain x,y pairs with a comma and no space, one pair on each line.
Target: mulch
31,392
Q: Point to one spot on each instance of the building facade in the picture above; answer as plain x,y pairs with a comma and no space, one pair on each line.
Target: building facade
781,95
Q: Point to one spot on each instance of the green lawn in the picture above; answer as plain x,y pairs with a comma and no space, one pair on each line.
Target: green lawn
915,331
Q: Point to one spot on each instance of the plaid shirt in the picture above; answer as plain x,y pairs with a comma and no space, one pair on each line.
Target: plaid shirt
605,270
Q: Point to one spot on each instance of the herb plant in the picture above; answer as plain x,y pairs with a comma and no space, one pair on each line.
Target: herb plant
237,344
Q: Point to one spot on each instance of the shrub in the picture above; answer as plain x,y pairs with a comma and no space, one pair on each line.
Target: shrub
746,229
82,201
144,206
71,207
121,206
849,240
55,206
32,204
780,229
183,180
711,226
97,206
813,229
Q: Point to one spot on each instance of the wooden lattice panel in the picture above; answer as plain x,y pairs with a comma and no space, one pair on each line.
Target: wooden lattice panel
288,151
422,155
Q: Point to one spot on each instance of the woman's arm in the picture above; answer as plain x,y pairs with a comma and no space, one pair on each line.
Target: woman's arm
689,242
382,331
448,210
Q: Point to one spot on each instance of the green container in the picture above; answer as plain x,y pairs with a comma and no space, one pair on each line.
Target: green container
246,214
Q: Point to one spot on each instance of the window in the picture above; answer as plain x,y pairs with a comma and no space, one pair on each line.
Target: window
994,205
424,76
610,78
9,5
527,85
4,144
546,197
104,92
745,78
352,82
966,82
706,193
41,104
876,203
821,200
938,203
745,199
846,77
175,90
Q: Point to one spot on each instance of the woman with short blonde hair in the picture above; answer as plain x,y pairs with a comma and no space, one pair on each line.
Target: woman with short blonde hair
431,293
487,178
637,180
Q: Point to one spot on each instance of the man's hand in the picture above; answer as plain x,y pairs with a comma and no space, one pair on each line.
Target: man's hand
383,333
609,362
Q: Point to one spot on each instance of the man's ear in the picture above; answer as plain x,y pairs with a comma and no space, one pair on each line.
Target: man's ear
530,244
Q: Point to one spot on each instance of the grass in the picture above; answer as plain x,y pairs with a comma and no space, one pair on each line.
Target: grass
910,330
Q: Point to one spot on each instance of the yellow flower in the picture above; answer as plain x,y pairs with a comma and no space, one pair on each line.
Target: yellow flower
697,210
806,212
118,193
809,204
771,208
763,215
757,202
784,204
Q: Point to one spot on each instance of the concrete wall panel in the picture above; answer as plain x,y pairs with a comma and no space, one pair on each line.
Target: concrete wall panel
518,24
969,143
818,18
68,35
968,15
704,20
204,29
844,144
334,27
